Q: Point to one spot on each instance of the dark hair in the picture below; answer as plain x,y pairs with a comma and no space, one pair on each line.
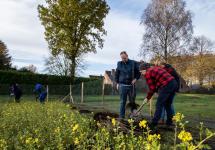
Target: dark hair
144,66
163,63
123,52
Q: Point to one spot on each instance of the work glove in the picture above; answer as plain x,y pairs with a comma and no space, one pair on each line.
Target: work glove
117,87
145,100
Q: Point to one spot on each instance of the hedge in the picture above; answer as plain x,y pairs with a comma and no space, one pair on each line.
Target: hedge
7,77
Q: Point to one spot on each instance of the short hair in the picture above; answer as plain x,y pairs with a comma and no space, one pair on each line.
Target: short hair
144,66
123,52
159,62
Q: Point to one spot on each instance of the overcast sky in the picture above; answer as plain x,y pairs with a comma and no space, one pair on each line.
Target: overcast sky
22,31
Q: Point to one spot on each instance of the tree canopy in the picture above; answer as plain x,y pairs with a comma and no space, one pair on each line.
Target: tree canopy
5,58
168,28
73,27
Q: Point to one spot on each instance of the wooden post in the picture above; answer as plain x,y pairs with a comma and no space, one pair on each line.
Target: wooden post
103,92
82,92
47,90
150,107
70,94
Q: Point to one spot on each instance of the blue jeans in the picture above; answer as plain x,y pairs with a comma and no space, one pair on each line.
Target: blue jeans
126,91
165,100
163,115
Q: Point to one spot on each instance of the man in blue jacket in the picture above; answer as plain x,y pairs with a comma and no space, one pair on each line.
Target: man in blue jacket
127,73
41,92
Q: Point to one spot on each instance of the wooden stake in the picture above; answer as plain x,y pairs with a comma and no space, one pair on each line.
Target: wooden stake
150,108
103,92
70,94
82,92
47,90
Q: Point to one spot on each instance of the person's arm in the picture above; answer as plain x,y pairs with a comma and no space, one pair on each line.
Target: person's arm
137,71
174,73
117,73
151,85
177,78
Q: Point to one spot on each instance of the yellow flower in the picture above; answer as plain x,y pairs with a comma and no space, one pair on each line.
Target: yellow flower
76,141
113,121
130,121
185,136
153,137
64,115
75,128
57,130
3,143
191,147
28,140
143,123
178,117
36,140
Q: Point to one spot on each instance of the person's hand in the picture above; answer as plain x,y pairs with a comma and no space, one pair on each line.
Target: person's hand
134,81
145,100
117,87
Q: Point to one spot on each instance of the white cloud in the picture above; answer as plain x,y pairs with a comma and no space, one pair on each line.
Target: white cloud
123,33
204,17
22,31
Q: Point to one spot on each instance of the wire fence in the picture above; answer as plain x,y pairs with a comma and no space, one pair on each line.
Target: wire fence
92,91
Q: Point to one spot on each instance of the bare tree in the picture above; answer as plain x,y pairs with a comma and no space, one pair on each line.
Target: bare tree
201,45
168,28
30,68
203,49
60,65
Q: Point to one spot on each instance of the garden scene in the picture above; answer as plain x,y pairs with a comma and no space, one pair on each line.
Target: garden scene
107,75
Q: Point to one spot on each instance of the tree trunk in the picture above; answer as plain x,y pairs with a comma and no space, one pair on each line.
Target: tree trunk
72,70
165,48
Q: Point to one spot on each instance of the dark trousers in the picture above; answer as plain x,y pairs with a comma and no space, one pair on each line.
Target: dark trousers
126,91
165,100
42,97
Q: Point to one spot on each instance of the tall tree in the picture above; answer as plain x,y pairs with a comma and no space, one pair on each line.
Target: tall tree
74,27
202,48
168,28
5,58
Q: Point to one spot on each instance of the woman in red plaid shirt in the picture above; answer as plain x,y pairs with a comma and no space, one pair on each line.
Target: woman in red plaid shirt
159,80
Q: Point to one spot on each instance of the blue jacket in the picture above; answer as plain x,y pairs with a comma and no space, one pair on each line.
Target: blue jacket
126,72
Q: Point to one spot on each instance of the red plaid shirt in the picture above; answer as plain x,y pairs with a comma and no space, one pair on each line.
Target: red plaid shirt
156,78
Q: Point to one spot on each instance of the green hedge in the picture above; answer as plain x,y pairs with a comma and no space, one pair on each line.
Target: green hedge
7,77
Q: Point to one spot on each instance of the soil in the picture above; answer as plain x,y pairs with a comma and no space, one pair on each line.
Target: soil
104,117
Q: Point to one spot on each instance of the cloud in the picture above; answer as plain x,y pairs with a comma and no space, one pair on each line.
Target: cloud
204,17
22,31
123,33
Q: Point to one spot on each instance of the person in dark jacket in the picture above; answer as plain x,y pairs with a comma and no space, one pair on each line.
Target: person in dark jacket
16,91
41,92
159,80
127,73
174,73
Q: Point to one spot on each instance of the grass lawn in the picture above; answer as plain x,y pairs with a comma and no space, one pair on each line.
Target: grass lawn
198,105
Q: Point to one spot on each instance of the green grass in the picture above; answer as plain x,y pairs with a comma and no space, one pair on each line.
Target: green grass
198,105
195,105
